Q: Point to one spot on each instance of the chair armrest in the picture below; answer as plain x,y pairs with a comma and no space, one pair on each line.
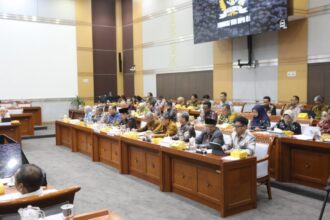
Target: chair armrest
263,159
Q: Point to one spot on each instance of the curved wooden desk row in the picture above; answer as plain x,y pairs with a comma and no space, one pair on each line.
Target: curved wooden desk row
27,123
300,161
227,186
36,114
13,131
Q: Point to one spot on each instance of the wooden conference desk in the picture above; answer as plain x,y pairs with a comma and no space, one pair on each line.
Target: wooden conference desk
76,113
227,186
27,123
36,114
12,131
300,161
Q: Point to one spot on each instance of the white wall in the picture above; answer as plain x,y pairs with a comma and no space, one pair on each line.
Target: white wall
168,41
319,31
60,9
254,83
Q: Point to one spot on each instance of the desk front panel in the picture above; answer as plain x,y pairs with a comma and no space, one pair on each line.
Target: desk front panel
26,121
12,131
36,114
108,150
63,134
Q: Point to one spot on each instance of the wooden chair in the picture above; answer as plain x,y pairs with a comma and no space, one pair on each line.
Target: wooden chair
43,201
238,106
275,118
262,152
280,108
248,107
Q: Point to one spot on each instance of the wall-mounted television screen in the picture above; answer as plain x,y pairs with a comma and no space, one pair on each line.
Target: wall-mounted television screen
220,19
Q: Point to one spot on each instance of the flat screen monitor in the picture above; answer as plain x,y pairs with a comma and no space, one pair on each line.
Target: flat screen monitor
10,159
220,19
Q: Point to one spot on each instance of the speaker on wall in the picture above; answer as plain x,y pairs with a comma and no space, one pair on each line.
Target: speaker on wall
120,63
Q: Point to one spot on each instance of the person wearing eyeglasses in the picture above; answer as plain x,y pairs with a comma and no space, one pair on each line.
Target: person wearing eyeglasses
241,138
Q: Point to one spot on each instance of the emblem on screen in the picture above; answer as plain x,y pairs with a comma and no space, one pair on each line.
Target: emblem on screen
233,12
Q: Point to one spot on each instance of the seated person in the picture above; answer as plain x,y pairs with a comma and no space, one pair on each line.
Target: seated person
113,117
260,119
130,105
150,98
170,110
160,105
207,98
98,114
126,120
269,107
28,182
88,117
166,128
180,103
152,123
325,124
186,130
207,113
4,113
142,109
294,106
319,107
150,106
241,138
193,102
287,123
210,134
224,101
226,116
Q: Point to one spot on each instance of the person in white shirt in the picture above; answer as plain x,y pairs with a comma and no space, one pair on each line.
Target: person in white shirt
224,101
4,113
294,106
241,138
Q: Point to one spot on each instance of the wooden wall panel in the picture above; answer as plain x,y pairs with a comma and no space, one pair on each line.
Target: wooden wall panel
138,50
104,46
223,68
173,85
319,81
128,61
84,50
293,57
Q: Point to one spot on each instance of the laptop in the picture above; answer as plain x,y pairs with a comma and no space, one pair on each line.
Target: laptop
217,149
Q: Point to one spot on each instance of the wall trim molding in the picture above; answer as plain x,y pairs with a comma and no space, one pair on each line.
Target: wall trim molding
37,19
89,49
169,41
321,10
179,69
324,58
163,12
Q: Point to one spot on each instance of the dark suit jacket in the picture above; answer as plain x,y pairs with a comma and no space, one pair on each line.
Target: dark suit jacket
205,138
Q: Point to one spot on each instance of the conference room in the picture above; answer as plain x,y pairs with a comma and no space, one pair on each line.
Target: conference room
164,109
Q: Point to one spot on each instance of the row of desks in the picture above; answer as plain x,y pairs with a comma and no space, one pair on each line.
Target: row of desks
227,186
300,161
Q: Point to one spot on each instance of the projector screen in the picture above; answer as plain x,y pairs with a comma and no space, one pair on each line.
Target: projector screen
37,60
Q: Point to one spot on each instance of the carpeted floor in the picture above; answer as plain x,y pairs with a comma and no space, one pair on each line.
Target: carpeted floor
135,199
